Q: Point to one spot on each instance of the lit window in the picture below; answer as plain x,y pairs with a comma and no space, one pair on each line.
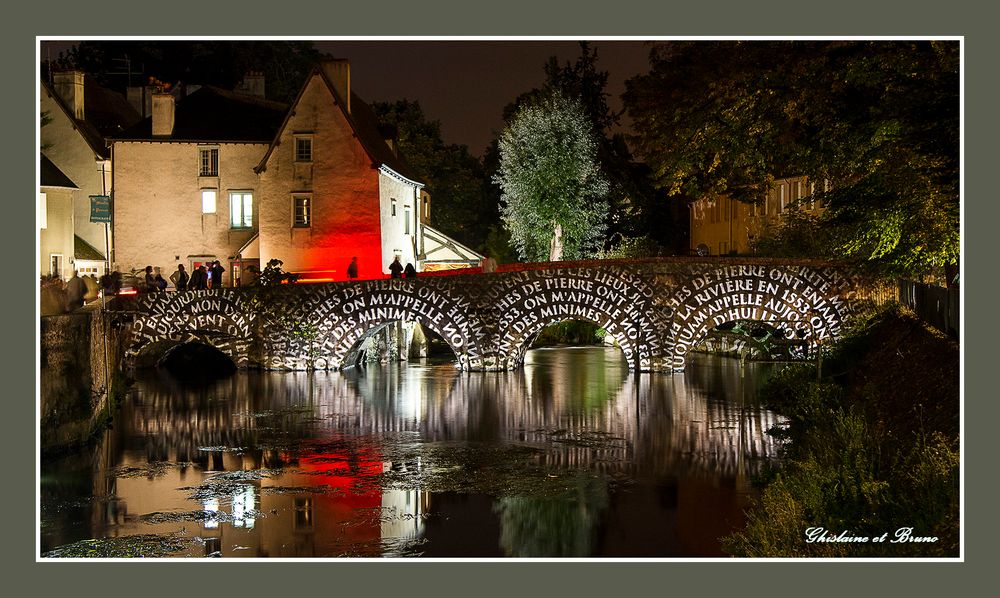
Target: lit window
406,220
303,149
241,210
208,201
209,162
301,211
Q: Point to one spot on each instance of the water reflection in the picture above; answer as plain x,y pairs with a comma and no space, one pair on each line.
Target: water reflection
571,456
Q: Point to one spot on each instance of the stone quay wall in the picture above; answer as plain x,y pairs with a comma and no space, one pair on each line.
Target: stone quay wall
80,355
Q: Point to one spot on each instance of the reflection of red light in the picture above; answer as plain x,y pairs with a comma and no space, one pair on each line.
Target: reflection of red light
128,292
344,471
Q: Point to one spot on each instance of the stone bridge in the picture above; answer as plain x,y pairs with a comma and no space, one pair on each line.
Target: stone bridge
656,309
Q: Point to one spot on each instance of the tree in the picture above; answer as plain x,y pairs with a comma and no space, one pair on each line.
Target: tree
633,210
874,123
553,194
117,64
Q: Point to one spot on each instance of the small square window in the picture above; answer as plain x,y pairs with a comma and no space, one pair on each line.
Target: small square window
301,211
208,201
209,162
303,149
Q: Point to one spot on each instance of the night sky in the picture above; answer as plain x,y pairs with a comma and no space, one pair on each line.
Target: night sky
466,84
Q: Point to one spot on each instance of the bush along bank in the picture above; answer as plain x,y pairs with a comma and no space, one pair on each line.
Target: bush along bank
871,466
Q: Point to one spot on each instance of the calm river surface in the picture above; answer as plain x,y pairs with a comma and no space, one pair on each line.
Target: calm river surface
565,458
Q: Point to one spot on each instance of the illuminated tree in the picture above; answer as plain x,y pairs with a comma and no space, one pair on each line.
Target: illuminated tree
553,194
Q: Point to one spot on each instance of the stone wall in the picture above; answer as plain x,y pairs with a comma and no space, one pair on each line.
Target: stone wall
74,376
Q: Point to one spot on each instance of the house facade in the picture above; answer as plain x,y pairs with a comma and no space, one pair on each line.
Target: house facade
724,225
82,115
56,196
333,187
185,190
228,176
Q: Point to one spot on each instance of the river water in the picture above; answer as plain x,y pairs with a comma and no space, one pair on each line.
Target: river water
568,457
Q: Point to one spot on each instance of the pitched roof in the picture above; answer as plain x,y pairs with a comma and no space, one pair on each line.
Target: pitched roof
106,113
83,250
51,176
214,114
363,121
370,132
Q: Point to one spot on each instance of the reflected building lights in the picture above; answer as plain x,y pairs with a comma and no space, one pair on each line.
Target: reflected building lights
580,409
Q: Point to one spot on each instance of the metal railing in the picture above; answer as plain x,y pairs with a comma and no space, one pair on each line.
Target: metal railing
938,306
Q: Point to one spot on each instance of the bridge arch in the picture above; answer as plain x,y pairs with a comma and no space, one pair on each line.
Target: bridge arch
217,318
613,299
810,304
343,318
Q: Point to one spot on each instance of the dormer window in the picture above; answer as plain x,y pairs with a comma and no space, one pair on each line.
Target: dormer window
303,148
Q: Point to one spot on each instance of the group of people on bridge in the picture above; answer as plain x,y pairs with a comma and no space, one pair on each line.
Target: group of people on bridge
202,278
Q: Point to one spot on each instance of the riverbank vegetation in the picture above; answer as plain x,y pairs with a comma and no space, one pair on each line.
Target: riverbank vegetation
872,453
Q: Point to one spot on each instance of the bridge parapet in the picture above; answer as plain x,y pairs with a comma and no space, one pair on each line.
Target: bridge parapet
657,310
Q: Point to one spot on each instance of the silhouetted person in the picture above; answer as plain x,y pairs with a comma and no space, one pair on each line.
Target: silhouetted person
396,268
217,271
180,278
148,281
111,283
352,270
158,281
75,290
199,280
410,271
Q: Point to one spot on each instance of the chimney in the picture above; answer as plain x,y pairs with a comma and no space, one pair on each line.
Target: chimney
252,84
163,114
69,86
338,71
135,94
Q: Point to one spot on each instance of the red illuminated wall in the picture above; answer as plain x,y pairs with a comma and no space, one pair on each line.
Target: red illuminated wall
343,187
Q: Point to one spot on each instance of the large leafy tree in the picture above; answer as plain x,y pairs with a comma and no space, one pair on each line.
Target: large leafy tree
453,176
877,120
553,193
